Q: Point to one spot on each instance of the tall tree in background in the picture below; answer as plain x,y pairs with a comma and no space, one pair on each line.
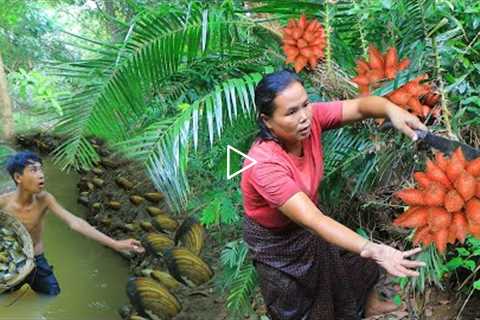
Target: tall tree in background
5,105
107,9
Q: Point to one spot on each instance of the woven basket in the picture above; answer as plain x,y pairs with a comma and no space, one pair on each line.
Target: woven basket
12,223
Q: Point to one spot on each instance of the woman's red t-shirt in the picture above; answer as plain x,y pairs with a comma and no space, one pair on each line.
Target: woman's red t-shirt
278,175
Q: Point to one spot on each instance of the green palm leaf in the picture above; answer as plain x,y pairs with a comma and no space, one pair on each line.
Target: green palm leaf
240,274
160,47
165,151
135,88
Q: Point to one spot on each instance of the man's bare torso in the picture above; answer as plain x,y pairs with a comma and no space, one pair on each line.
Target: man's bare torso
32,216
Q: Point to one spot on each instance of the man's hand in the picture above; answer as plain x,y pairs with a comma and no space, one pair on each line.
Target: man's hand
392,260
404,121
129,245
83,227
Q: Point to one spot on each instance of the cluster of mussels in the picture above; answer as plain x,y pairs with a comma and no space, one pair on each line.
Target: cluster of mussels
12,255
123,203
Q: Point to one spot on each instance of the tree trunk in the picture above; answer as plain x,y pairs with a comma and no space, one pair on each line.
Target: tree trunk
5,106
111,24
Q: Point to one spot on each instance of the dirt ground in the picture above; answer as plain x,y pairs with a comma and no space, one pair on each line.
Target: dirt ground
440,305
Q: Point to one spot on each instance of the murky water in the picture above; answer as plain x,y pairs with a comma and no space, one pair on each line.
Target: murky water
92,277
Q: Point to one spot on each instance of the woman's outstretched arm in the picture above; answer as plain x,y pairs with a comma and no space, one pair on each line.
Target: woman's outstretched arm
378,107
303,211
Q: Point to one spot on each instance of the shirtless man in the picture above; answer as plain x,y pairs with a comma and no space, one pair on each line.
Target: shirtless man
29,203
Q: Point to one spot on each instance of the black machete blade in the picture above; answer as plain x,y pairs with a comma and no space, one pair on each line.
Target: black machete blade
447,146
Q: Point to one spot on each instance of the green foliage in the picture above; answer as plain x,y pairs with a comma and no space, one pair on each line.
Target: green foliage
159,59
343,151
467,257
12,12
5,152
363,233
222,203
464,259
27,33
220,210
239,276
35,91
397,299
433,271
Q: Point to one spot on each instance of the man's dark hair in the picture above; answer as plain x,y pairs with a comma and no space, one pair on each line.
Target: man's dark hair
17,162
266,91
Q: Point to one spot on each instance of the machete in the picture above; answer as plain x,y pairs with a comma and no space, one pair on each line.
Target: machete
445,145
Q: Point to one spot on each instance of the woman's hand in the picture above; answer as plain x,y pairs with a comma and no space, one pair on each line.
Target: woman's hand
393,260
404,121
129,246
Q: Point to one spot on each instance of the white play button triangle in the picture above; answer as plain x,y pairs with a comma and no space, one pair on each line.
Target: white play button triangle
231,175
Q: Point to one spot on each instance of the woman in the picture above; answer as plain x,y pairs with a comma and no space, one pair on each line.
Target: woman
309,265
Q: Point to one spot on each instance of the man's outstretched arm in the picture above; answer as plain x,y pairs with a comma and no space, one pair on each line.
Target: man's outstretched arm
84,228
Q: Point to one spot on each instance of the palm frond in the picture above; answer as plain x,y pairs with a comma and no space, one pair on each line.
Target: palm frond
341,147
354,163
234,255
78,151
165,151
159,47
240,134
242,289
286,8
240,276
347,23
411,27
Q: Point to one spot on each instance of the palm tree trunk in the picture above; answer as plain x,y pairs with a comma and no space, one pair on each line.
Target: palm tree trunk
5,106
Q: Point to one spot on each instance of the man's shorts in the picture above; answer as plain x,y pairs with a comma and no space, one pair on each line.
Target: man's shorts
41,279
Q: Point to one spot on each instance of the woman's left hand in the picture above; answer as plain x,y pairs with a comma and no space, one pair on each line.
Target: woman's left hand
394,261
404,121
